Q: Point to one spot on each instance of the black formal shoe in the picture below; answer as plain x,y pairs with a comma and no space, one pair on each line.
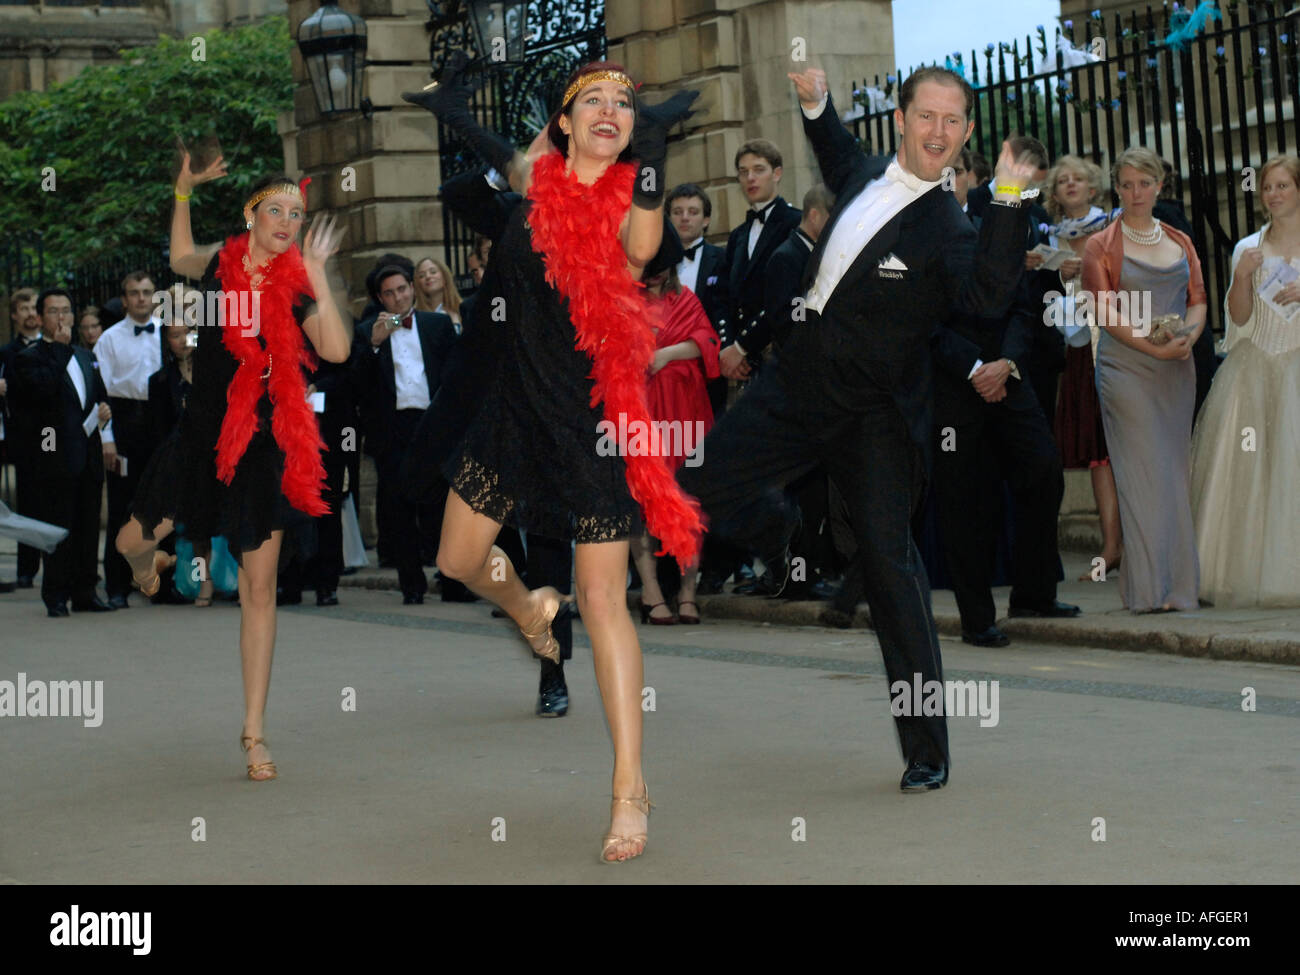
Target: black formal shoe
327,598
8,586
992,637
56,609
92,605
412,599
283,597
118,602
1053,610
836,618
775,578
921,777
457,594
552,692
23,582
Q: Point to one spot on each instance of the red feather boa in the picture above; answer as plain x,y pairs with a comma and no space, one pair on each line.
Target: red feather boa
575,229
293,424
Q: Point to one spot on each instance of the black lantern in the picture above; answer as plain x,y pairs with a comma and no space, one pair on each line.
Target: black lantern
499,29
333,46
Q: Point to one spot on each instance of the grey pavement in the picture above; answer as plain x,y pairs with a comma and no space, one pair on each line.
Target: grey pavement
757,728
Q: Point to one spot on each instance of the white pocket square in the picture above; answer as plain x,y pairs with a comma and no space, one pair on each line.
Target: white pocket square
892,263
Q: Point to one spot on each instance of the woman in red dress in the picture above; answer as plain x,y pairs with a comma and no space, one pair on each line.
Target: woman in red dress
686,355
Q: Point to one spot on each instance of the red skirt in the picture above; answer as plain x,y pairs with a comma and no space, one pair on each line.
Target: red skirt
1079,432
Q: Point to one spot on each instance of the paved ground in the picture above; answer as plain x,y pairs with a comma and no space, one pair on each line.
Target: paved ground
756,726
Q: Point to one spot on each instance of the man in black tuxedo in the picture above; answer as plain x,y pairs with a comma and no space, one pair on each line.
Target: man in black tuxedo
58,388
398,360
768,223
985,403
852,390
703,267
26,326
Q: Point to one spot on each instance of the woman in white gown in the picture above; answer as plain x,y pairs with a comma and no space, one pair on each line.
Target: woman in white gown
1246,447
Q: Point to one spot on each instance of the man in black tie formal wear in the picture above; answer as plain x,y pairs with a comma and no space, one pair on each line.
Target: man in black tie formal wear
703,267
59,390
128,352
26,331
398,359
852,390
768,223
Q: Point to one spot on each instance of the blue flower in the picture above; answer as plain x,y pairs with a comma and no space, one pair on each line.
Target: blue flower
1263,51
891,78
1151,62
1063,83
1040,27
1219,51
1069,24
1096,15
989,48
1121,75
1011,96
1114,103
1282,37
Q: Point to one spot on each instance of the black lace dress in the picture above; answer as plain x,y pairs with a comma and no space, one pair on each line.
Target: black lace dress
529,457
180,481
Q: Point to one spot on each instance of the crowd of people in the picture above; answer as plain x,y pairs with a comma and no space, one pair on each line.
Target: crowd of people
861,397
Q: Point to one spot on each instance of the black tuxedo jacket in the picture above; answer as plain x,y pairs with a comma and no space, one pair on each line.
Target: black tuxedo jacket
168,392
887,316
745,272
374,378
44,392
480,205
783,282
17,438
713,286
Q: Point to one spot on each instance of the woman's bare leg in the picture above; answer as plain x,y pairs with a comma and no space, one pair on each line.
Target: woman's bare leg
257,574
1112,538
466,553
643,556
602,600
138,550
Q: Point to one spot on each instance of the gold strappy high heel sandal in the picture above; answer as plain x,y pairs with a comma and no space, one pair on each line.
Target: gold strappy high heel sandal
550,650
643,805
161,563
255,770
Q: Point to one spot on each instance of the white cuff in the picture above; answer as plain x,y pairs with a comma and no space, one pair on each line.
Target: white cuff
816,112
975,368
106,434
740,348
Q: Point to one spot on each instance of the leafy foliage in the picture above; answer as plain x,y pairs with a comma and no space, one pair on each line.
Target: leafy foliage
109,135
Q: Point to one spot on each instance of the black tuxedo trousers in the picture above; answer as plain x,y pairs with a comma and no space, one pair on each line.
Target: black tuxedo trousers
812,410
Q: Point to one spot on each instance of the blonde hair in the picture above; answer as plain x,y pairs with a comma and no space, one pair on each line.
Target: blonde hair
1143,160
450,294
1086,168
1291,163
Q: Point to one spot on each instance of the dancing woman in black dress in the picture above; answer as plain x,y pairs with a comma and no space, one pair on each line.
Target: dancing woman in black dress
577,342
247,452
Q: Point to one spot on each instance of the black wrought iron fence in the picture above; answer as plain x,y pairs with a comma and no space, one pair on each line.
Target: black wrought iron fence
1212,97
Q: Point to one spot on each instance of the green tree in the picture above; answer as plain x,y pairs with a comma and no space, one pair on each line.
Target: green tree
109,137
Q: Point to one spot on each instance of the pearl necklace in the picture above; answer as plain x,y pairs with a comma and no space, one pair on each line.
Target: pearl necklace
1147,238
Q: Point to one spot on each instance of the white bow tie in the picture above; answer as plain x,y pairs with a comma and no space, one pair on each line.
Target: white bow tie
898,174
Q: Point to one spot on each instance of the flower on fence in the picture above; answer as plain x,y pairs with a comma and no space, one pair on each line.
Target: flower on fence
1121,74
988,49
1219,50
1096,15
1114,103
1151,62
1069,25
1011,96
1283,38
1263,51
1064,83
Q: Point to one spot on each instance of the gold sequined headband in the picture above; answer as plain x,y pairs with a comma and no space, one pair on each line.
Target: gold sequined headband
590,78
274,188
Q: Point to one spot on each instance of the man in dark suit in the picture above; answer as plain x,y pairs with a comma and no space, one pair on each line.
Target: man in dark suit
398,359
703,266
768,223
26,326
59,390
985,404
852,390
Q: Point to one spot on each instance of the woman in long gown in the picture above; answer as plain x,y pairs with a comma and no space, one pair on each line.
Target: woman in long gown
562,288
1075,187
686,356
1246,448
1148,388
246,456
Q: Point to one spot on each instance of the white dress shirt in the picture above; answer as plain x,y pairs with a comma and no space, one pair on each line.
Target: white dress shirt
408,369
860,220
756,228
688,269
127,360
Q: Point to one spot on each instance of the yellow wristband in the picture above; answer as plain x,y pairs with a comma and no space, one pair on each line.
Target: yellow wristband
179,197
1008,189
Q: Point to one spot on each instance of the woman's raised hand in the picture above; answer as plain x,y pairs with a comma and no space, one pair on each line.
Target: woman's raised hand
322,240
187,180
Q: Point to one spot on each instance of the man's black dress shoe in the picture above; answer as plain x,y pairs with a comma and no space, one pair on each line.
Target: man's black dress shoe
710,585
92,605
327,598
922,776
118,602
552,692
23,582
412,599
1054,610
992,637
283,597
56,609
8,586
